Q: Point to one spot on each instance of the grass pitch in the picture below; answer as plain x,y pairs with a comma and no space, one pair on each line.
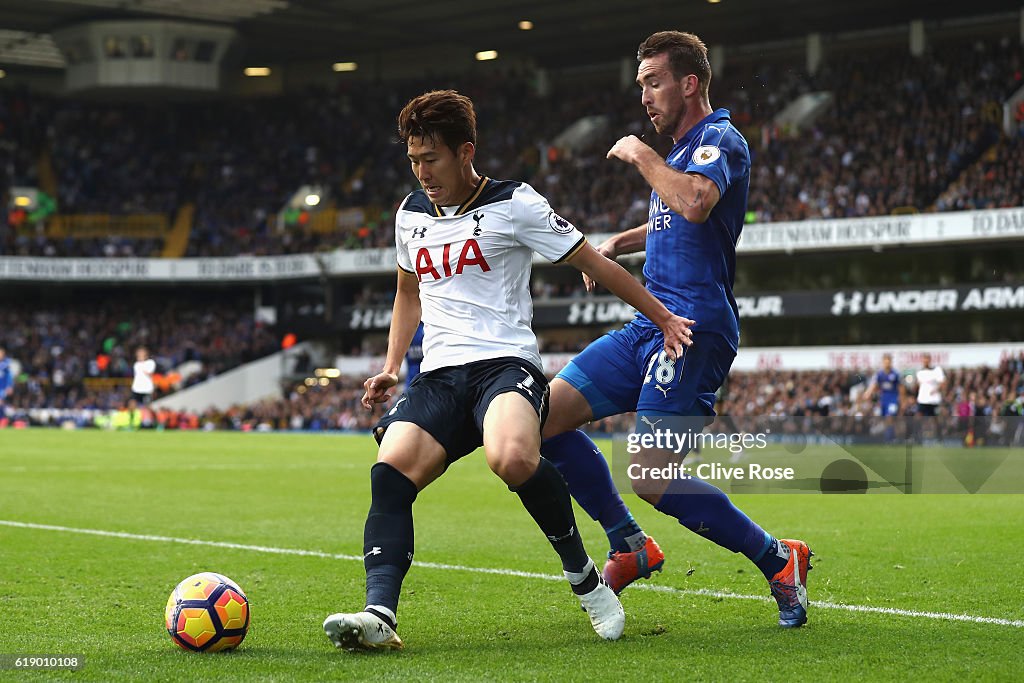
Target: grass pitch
67,592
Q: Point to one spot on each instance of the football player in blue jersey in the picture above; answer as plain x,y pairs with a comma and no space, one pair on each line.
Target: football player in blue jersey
889,388
6,378
696,214
890,392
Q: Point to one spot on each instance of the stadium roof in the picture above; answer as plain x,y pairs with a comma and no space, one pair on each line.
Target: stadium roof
568,31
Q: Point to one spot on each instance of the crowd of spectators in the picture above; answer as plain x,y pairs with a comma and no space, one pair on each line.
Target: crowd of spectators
829,393
81,357
900,129
332,407
23,124
898,132
996,181
985,393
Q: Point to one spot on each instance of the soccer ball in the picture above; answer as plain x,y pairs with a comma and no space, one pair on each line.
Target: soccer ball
206,613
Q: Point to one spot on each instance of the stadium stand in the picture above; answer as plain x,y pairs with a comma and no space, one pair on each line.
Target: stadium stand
81,360
982,391
902,134
899,132
997,180
996,391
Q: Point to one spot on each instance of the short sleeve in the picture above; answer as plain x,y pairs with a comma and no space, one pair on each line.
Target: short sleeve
149,367
401,249
538,227
719,157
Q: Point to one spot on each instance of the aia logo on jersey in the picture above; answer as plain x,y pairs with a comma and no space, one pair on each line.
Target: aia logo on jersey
469,255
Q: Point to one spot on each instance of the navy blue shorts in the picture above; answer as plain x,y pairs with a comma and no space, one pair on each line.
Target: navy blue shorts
627,370
450,403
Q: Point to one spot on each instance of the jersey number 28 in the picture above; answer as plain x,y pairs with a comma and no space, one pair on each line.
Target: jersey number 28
666,370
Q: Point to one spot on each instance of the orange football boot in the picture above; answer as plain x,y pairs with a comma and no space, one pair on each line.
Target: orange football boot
622,569
789,586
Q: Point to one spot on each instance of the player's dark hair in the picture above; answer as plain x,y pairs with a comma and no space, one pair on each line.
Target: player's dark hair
687,55
439,115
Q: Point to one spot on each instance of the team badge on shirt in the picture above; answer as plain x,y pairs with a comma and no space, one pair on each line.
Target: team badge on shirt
705,154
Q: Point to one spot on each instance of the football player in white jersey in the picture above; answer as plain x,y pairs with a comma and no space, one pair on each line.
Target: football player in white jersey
465,245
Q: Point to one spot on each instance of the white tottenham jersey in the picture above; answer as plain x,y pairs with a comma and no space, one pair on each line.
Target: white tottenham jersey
474,268
142,383
929,380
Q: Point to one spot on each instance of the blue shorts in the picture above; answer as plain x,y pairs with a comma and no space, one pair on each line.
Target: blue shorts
626,370
890,407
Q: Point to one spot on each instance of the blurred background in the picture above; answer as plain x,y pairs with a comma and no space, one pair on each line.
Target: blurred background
216,180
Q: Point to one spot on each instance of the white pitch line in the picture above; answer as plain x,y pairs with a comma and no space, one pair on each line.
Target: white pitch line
704,592
170,467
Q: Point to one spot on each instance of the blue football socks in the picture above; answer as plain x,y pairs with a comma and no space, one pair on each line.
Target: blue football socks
626,536
774,559
704,509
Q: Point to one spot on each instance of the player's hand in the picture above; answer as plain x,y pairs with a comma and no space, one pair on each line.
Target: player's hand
677,334
605,249
377,389
628,148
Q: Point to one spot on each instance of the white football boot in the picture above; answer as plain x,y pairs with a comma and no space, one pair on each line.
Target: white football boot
605,611
361,631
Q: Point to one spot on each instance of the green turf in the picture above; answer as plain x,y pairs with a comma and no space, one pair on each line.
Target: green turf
102,597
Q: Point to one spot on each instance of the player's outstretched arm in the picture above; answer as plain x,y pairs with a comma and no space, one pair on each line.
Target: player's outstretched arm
691,195
623,285
626,242
405,317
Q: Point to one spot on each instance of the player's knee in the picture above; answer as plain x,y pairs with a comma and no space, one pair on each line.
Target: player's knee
514,460
413,453
402,461
390,489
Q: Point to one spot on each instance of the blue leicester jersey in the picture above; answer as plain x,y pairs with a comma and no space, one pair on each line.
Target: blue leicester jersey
414,356
691,266
889,385
6,380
